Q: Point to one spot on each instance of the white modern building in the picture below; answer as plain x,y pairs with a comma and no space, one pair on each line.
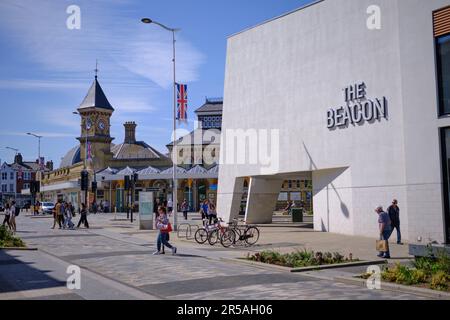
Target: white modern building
358,92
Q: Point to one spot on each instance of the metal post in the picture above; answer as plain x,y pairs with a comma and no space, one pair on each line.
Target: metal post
132,197
39,171
175,154
174,149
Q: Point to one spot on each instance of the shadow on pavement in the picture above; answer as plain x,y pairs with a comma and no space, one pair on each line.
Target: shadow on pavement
16,275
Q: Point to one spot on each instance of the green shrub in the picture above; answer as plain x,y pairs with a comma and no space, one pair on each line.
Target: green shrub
7,239
298,258
403,275
439,281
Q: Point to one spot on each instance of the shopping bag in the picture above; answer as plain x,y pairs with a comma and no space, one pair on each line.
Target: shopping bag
382,245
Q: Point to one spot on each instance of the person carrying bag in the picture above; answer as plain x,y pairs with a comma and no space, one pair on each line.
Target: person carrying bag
164,227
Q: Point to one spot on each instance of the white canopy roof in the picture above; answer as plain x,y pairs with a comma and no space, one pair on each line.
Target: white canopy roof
151,173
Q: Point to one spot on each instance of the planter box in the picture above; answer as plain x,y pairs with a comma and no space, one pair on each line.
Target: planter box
311,268
421,250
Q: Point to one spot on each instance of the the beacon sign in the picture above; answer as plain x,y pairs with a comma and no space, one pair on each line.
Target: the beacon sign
358,108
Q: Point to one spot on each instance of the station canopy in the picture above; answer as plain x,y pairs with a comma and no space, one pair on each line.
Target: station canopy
152,173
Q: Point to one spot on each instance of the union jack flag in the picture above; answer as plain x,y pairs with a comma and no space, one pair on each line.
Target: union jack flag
182,102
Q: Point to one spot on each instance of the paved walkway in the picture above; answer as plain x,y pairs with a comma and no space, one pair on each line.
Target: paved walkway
116,262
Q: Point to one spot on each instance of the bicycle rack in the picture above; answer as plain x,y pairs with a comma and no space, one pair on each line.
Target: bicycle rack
187,234
191,235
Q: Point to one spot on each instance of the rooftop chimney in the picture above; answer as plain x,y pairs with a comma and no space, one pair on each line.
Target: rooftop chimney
49,165
18,159
130,132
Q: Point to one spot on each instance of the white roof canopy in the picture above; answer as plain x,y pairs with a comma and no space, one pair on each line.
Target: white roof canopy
151,173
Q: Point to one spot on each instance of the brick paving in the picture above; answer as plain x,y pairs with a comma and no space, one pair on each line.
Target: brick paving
121,255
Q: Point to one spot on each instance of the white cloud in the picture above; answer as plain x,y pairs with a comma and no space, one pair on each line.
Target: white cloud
106,33
43,134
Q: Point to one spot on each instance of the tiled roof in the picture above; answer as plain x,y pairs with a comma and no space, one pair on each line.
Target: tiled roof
96,98
211,106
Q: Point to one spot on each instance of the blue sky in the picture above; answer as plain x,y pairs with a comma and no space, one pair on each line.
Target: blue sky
46,69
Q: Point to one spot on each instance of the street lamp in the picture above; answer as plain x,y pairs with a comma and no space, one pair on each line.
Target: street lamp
174,149
13,149
39,157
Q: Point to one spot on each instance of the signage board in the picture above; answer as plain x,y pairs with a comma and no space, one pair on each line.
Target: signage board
145,210
358,108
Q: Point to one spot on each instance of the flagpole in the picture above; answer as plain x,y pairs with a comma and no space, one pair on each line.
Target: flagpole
174,153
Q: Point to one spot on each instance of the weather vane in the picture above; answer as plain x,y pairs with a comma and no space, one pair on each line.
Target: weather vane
96,68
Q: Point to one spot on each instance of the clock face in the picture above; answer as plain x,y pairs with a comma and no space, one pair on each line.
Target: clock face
101,125
88,124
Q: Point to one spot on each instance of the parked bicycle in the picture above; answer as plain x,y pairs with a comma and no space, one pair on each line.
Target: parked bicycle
202,234
239,234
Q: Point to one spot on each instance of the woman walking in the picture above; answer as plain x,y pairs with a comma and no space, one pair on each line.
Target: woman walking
83,217
164,227
212,213
68,213
158,237
7,215
12,217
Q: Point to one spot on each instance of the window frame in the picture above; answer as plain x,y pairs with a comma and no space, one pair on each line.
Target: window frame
439,79
445,183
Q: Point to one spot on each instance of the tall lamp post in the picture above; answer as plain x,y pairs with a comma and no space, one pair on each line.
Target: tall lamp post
174,149
39,157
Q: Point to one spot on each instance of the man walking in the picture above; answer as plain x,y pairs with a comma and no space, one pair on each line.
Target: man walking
185,208
394,215
83,217
384,224
57,215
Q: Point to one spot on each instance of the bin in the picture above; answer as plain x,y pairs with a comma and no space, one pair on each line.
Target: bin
297,214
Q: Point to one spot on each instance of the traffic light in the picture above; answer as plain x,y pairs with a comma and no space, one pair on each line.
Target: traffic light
34,187
127,183
94,186
84,180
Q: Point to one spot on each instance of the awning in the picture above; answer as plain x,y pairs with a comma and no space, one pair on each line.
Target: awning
60,186
151,173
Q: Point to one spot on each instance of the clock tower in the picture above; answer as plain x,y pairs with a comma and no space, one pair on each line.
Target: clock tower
95,112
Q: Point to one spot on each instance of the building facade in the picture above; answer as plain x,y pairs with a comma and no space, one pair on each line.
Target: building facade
357,93
16,178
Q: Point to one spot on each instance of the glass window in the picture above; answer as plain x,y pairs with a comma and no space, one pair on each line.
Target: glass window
283,196
11,175
446,178
443,63
11,188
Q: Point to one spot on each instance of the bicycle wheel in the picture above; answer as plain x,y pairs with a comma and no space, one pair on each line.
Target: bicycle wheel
227,238
213,237
201,236
251,235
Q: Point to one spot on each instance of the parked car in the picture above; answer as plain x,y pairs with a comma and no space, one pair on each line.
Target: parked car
47,207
